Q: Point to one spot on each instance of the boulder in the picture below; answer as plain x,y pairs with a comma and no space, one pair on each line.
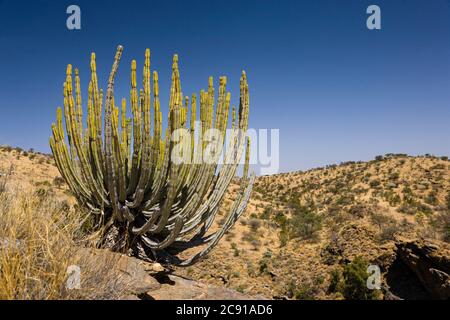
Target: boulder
132,273
430,262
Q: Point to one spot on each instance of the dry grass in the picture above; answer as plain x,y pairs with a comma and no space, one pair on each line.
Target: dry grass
40,238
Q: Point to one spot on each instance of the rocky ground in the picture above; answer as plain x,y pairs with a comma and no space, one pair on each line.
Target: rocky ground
305,235
301,228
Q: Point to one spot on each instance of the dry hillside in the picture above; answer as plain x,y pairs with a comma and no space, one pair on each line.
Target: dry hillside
302,229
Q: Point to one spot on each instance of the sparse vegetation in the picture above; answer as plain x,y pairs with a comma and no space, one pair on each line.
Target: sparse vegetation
305,224
39,240
58,182
351,282
263,255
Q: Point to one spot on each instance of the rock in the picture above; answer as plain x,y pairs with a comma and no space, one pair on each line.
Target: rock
145,280
430,263
388,295
131,272
130,297
342,249
154,268
422,187
391,185
178,288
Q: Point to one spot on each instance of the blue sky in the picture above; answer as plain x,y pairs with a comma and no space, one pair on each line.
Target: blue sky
336,90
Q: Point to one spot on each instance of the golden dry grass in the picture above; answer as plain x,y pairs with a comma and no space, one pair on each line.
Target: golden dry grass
40,238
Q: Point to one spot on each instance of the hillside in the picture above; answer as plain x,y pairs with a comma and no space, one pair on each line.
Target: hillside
302,229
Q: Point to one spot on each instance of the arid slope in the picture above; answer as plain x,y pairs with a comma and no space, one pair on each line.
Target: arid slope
301,227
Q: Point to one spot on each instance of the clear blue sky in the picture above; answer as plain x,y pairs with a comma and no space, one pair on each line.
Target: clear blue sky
336,90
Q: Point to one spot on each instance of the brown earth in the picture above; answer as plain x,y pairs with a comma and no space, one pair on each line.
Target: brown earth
299,227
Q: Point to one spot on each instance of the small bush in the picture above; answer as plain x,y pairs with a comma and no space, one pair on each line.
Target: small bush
358,210
431,198
447,199
440,223
58,182
254,224
235,249
381,220
355,281
265,262
374,183
266,213
256,244
336,281
307,289
388,233
306,224
4,178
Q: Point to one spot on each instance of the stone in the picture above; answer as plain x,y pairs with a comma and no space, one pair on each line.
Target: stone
131,272
178,288
430,263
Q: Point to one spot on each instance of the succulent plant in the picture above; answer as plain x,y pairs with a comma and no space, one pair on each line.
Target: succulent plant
142,199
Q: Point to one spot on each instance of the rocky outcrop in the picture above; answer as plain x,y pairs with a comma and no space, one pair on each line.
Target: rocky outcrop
430,262
353,240
145,280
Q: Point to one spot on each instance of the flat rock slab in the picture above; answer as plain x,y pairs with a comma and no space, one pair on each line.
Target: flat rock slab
177,288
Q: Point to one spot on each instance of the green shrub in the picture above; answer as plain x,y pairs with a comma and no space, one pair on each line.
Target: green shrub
283,236
374,183
424,208
305,224
263,266
355,281
336,281
448,200
58,182
306,290
266,213
280,219
358,210
431,198
381,220
235,249
441,224
388,233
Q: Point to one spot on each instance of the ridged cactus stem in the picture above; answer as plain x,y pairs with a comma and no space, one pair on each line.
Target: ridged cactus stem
143,200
